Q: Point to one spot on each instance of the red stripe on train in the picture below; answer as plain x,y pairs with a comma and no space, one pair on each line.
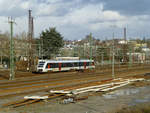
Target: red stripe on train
59,66
84,65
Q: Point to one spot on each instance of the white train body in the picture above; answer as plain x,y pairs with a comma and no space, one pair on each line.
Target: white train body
64,65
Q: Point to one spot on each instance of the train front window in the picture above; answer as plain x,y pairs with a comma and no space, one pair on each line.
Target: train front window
41,64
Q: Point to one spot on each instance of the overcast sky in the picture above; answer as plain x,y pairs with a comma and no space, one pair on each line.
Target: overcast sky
76,18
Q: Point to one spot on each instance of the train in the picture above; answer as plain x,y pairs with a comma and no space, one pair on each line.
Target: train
64,65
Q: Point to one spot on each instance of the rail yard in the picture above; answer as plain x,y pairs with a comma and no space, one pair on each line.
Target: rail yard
74,59
35,86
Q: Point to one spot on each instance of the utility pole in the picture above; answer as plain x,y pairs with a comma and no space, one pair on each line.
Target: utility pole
1,54
130,55
125,46
12,74
113,59
83,51
41,48
30,38
90,46
102,58
74,54
125,34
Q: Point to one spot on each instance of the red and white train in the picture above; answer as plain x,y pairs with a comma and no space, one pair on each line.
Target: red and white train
64,65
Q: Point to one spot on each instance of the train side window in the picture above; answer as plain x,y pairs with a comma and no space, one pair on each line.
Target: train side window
55,65
51,64
75,64
66,65
72,64
88,63
69,64
93,63
63,65
81,63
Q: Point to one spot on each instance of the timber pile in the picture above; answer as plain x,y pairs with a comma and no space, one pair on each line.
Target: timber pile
116,83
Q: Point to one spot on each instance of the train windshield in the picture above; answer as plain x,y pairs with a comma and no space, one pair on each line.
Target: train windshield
41,64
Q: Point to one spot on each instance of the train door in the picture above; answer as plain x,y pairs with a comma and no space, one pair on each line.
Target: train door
84,65
59,66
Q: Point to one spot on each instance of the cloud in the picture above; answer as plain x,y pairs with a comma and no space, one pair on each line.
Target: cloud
77,18
93,17
62,7
128,7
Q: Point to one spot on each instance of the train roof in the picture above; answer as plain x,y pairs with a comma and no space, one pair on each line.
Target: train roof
63,61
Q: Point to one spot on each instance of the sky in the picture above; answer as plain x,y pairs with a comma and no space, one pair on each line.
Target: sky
75,19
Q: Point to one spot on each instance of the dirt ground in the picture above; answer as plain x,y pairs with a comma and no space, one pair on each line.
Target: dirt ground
139,108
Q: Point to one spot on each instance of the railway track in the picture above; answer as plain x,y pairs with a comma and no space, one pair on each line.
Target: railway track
9,89
25,102
23,88
13,84
81,86
52,76
23,75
